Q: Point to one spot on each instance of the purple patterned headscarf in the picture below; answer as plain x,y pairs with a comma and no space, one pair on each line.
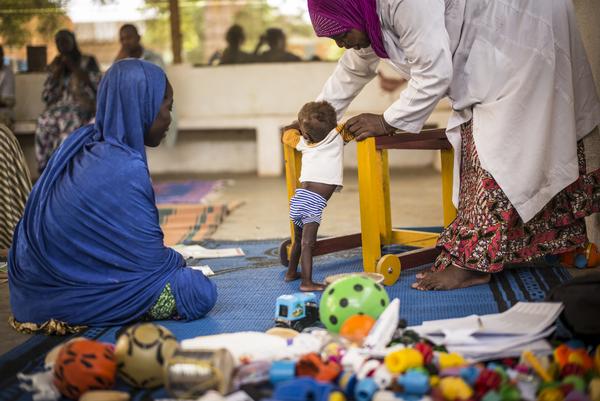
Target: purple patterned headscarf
333,17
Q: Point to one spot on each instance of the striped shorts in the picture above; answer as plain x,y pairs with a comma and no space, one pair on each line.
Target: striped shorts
306,207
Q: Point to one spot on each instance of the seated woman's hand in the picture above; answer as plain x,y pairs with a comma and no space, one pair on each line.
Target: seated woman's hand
366,125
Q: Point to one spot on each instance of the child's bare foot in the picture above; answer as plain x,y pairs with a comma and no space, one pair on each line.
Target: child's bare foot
311,286
450,278
291,276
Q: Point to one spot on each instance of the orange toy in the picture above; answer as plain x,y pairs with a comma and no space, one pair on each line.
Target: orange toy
312,365
563,355
582,257
84,365
356,328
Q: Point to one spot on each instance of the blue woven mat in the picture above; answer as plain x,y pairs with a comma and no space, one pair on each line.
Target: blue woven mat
249,285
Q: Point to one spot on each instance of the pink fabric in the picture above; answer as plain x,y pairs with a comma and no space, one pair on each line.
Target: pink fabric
333,17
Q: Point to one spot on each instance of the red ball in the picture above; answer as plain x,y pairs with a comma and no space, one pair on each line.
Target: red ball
572,369
509,362
84,365
426,351
487,380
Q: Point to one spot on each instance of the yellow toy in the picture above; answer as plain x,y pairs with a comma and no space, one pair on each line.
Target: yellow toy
536,365
452,360
402,360
551,394
455,388
375,213
594,389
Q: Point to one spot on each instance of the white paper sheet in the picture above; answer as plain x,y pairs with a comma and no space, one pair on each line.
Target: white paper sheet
200,252
507,334
206,270
522,318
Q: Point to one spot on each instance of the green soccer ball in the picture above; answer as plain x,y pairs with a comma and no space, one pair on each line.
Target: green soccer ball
353,295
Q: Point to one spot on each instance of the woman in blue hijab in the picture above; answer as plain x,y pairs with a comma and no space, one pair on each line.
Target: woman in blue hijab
89,250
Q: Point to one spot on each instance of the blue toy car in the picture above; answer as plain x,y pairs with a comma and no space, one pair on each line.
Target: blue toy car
296,311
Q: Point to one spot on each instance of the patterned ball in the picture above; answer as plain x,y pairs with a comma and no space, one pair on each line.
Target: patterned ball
141,352
354,295
84,365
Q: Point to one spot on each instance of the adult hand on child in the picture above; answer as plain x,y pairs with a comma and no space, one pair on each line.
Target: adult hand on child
366,125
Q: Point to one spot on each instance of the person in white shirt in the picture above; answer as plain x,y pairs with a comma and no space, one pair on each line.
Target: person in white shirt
523,101
322,173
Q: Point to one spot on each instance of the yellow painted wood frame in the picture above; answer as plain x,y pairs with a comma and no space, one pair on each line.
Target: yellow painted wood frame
375,205
375,210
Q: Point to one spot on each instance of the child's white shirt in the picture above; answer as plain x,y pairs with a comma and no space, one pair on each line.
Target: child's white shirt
323,162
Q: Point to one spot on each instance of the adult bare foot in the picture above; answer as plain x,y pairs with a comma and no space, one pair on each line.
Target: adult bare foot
291,276
311,286
450,278
424,273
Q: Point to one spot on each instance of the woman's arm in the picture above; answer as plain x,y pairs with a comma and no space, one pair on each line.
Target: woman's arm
420,27
354,70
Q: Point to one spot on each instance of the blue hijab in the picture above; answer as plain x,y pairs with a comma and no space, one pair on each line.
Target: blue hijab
89,249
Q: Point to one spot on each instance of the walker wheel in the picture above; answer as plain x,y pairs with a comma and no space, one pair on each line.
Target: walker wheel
389,267
283,252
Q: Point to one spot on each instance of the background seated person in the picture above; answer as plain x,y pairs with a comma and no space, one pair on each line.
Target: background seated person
277,53
89,250
131,46
233,53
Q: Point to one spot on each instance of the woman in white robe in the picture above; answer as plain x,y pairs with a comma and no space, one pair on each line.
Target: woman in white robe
523,100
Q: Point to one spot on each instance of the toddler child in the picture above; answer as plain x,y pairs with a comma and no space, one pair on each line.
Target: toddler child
321,142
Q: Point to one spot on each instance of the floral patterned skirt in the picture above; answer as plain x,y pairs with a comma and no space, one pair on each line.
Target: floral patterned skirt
53,125
488,232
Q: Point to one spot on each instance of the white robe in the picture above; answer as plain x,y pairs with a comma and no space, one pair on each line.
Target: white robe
517,68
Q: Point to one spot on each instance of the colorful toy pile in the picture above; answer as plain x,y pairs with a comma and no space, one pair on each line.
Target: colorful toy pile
365,355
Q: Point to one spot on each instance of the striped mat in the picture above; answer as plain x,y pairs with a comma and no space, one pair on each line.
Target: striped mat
188,191
191,223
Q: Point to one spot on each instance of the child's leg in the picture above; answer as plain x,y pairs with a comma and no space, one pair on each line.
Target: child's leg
309,238
292,273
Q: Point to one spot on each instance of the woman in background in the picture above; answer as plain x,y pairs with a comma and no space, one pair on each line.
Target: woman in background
69,94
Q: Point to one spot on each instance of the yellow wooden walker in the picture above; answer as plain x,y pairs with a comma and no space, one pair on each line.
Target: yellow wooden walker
375,214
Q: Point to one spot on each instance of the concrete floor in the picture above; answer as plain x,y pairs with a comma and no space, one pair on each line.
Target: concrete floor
416,200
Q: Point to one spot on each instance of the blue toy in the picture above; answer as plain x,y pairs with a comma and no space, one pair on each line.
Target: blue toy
281,371
469,374
365,389
302,389
415,384
296,311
